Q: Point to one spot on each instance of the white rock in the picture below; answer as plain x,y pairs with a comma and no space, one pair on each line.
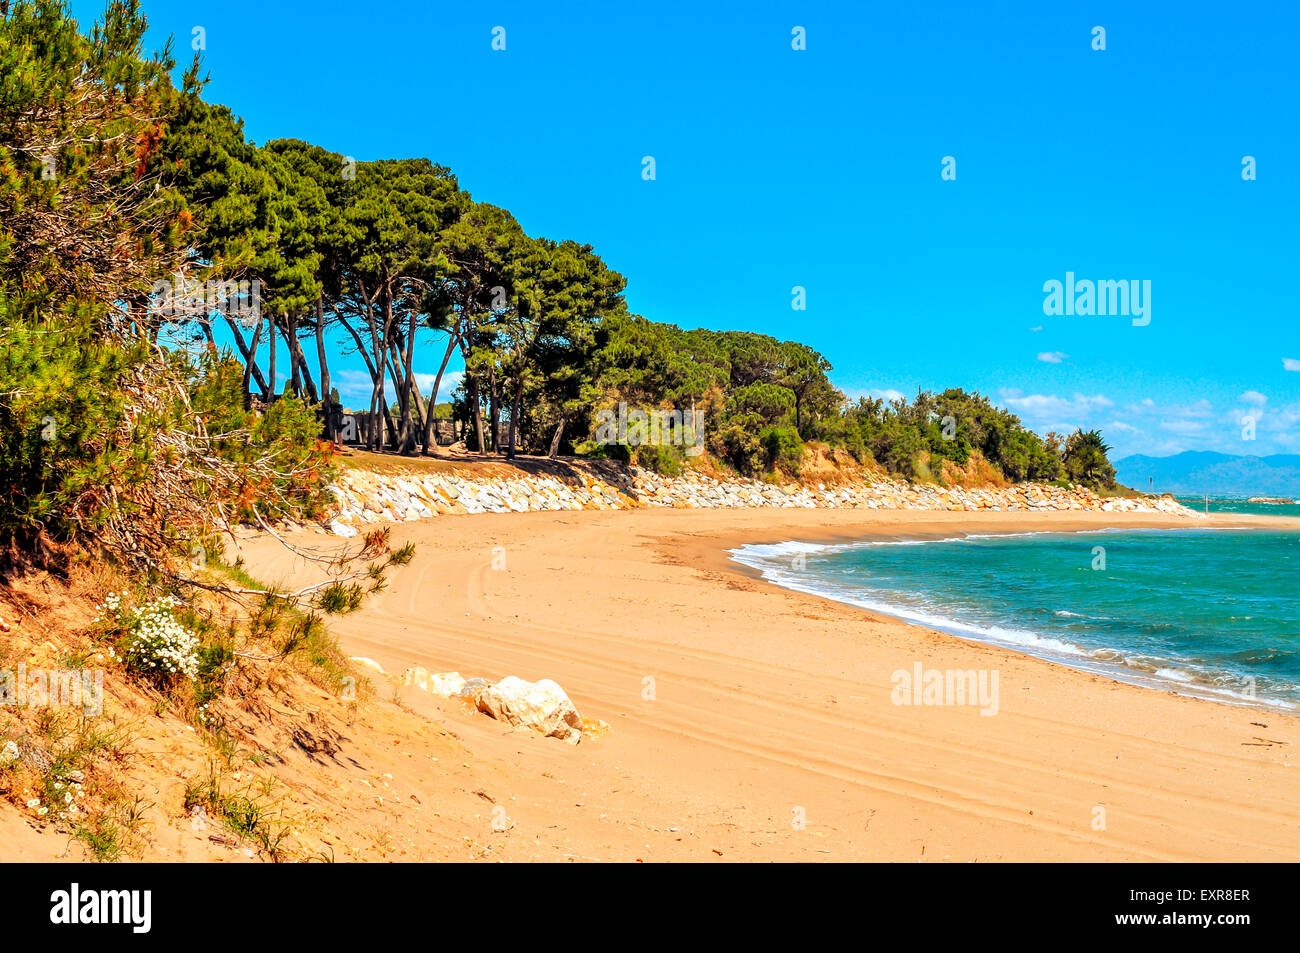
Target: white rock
443,685
342,529
417,676
542,706
368,663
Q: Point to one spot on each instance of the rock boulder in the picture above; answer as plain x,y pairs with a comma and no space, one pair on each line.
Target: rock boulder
542,706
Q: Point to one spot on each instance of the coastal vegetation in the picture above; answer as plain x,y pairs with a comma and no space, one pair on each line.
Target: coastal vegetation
150,255
138,217
124,453
178,308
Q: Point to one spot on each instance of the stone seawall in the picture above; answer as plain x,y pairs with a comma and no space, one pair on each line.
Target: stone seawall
364,497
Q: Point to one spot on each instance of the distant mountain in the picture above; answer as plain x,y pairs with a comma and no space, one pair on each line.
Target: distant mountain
1195,473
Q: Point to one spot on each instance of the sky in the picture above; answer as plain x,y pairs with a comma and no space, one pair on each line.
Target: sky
823,169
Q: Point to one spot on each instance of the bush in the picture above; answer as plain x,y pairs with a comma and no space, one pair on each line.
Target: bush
770,402
784,449
951,426
737,443
898,448
664,460
152,641
1085,461
100,434
285,433
605,451
63,425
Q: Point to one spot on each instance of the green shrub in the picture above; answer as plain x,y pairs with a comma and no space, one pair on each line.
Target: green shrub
664,460
737,443
784,449
95,429
605,451
1085,461
64,432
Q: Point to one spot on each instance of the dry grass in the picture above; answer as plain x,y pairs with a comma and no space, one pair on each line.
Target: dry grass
276,683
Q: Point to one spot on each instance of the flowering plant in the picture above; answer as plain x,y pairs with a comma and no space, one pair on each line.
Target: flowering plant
156,643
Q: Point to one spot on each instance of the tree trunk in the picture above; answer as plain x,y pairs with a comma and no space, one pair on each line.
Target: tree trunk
555,439
419,413
305,368
494,408
326,388
414,402
290,338
370,368
249,353
271,363
302,378
475,400
361,346
514,416
390,427
430,421
466,349
411,393
379,341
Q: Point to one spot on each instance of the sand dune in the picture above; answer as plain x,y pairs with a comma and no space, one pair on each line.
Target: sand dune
769,706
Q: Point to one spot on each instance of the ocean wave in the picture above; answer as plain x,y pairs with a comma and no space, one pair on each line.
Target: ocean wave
914,614
1196,677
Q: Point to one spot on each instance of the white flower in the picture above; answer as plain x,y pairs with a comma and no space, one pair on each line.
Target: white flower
161,642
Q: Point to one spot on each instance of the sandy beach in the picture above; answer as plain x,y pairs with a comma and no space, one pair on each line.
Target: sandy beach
749,722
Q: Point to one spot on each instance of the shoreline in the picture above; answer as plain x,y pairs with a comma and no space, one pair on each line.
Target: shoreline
768,701
1082,659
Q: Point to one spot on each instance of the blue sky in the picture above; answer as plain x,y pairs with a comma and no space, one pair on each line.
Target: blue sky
821,168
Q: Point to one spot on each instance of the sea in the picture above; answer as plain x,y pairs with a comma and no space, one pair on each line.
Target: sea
1210,612
1216,504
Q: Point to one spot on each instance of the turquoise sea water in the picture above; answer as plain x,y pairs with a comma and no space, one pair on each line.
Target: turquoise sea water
1240,506
1204,612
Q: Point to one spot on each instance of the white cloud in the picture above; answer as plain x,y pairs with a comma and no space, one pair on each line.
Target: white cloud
1289,416
1048,405
1050,412
448,384
1278,422
1158,448
1253,397
1290,364
1147,406
1039,328
353,385
883,393
1052,357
